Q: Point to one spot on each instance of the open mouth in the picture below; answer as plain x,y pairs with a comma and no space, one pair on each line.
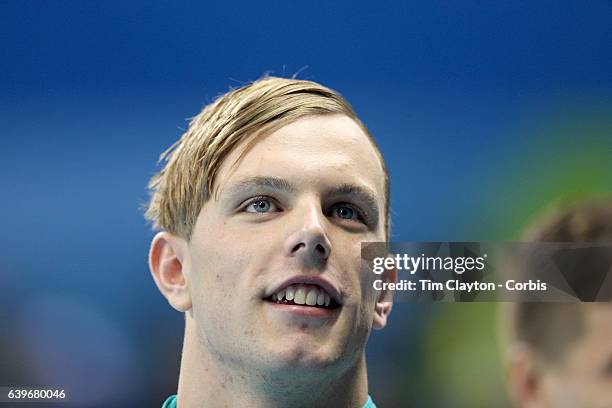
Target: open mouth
309,295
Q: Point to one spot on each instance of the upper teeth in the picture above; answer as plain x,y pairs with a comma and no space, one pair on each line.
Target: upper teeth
303,295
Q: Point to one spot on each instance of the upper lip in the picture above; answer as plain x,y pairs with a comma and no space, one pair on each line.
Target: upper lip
309,280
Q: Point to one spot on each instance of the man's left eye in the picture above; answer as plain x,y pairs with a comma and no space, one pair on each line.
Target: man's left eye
345,212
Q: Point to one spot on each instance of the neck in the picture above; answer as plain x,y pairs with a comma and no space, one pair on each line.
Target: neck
206,382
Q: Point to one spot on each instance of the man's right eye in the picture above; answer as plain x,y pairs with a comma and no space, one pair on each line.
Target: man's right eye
261,205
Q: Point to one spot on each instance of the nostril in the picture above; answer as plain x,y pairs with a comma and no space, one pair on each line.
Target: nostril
318,248
321,249
298,247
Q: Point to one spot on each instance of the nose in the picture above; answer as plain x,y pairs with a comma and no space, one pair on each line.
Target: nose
309,241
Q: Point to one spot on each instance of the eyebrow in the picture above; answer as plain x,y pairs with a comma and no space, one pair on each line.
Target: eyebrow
361,193
251,183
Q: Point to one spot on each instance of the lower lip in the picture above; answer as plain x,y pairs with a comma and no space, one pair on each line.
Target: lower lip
298,310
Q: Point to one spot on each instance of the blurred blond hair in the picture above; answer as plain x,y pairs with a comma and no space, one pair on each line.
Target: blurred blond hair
551,328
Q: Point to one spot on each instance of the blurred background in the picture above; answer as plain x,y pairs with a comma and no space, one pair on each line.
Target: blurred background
486,112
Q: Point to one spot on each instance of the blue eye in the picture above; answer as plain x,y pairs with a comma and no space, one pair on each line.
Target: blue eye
346,212
260,205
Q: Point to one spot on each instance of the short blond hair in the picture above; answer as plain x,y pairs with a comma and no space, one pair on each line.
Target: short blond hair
187,179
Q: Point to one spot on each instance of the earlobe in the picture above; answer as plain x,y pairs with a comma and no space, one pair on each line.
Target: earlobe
384,301
523,376
167,258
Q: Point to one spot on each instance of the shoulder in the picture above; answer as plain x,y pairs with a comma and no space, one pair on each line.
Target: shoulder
170,402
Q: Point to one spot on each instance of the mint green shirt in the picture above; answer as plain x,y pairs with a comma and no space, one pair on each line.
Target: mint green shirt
171,402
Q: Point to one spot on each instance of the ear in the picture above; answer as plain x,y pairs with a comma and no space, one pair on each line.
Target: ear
524,376
384,301
167,264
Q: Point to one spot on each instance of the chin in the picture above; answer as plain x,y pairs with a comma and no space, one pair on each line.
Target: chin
306,355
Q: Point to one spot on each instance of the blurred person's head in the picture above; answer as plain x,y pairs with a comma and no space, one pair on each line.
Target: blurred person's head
560,354
262,206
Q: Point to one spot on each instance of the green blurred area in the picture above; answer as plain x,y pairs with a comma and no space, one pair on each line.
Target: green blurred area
463,357
549,167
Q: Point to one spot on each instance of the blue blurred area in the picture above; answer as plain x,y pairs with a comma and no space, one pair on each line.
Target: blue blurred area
93,92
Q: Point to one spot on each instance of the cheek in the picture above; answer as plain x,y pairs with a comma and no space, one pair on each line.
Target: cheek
215,279
229,262
214,268
362,293
359,279
220,265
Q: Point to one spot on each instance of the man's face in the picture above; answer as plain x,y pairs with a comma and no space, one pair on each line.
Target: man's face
289,219
584,377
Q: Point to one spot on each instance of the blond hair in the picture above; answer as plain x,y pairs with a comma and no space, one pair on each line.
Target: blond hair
186,181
